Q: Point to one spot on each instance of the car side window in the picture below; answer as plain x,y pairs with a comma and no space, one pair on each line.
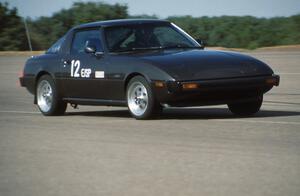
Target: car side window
82,37
116,36
55,48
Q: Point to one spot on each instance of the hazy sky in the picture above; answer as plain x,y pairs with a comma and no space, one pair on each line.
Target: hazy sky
164,8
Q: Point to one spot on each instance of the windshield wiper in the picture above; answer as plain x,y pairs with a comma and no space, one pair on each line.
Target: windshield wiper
181,46
158,48
139,49
166,47
148,48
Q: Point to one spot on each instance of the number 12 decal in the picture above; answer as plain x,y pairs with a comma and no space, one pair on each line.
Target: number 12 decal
76,72
75,66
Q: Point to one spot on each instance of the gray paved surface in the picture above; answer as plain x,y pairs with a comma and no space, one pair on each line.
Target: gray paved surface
199,151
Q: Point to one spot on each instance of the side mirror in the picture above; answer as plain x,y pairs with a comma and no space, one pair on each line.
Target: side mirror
90,49
201,42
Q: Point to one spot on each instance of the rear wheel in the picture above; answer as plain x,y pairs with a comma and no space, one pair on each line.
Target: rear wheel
47,97
246,108
140,99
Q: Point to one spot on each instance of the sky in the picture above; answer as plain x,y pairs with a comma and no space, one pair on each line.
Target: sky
165,8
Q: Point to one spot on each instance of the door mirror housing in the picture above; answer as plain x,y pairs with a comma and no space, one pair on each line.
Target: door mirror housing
90,49
201,43
92,46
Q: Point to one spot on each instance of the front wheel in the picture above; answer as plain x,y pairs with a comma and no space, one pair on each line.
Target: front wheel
246,108
47,97
140,99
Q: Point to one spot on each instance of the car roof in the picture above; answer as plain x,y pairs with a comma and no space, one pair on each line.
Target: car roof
119,22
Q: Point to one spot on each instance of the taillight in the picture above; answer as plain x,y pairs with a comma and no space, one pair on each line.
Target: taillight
21,74
20,77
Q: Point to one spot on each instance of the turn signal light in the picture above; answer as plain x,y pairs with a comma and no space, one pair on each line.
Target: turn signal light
271,81
187,86
159,84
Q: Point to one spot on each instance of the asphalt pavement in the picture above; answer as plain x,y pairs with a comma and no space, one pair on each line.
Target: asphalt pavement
188,151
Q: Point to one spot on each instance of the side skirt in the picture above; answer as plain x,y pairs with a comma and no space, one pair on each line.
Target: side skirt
100,102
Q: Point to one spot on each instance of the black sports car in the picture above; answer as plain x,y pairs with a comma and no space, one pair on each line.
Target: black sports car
145,65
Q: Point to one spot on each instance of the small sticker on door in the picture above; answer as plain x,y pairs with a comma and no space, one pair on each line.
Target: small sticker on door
99,74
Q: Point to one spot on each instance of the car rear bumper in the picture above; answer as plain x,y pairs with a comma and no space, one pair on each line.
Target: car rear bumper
22,82
28,83
215,91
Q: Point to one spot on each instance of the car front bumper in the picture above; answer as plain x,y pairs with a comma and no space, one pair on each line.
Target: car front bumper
214,91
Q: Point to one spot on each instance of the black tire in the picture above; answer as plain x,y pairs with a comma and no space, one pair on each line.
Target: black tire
246,108
153,108
49,108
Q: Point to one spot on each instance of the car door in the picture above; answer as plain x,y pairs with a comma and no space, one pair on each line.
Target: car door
84,72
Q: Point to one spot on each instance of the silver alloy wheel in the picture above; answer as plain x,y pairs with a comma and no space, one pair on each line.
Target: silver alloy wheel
44,96
137,97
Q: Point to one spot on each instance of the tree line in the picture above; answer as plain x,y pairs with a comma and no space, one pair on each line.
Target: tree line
227,31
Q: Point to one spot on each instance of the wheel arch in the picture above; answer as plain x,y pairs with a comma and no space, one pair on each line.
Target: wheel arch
132,75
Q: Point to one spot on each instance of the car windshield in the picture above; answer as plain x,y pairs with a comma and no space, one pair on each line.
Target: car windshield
147,37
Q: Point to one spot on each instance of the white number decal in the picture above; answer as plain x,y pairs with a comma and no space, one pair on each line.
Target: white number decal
85,73
75,65
77,72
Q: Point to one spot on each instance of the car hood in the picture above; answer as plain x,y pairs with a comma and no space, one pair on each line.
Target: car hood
197,64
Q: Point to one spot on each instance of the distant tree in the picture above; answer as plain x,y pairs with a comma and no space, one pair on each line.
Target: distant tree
143,16
58,24
12,31
228,31
242,32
